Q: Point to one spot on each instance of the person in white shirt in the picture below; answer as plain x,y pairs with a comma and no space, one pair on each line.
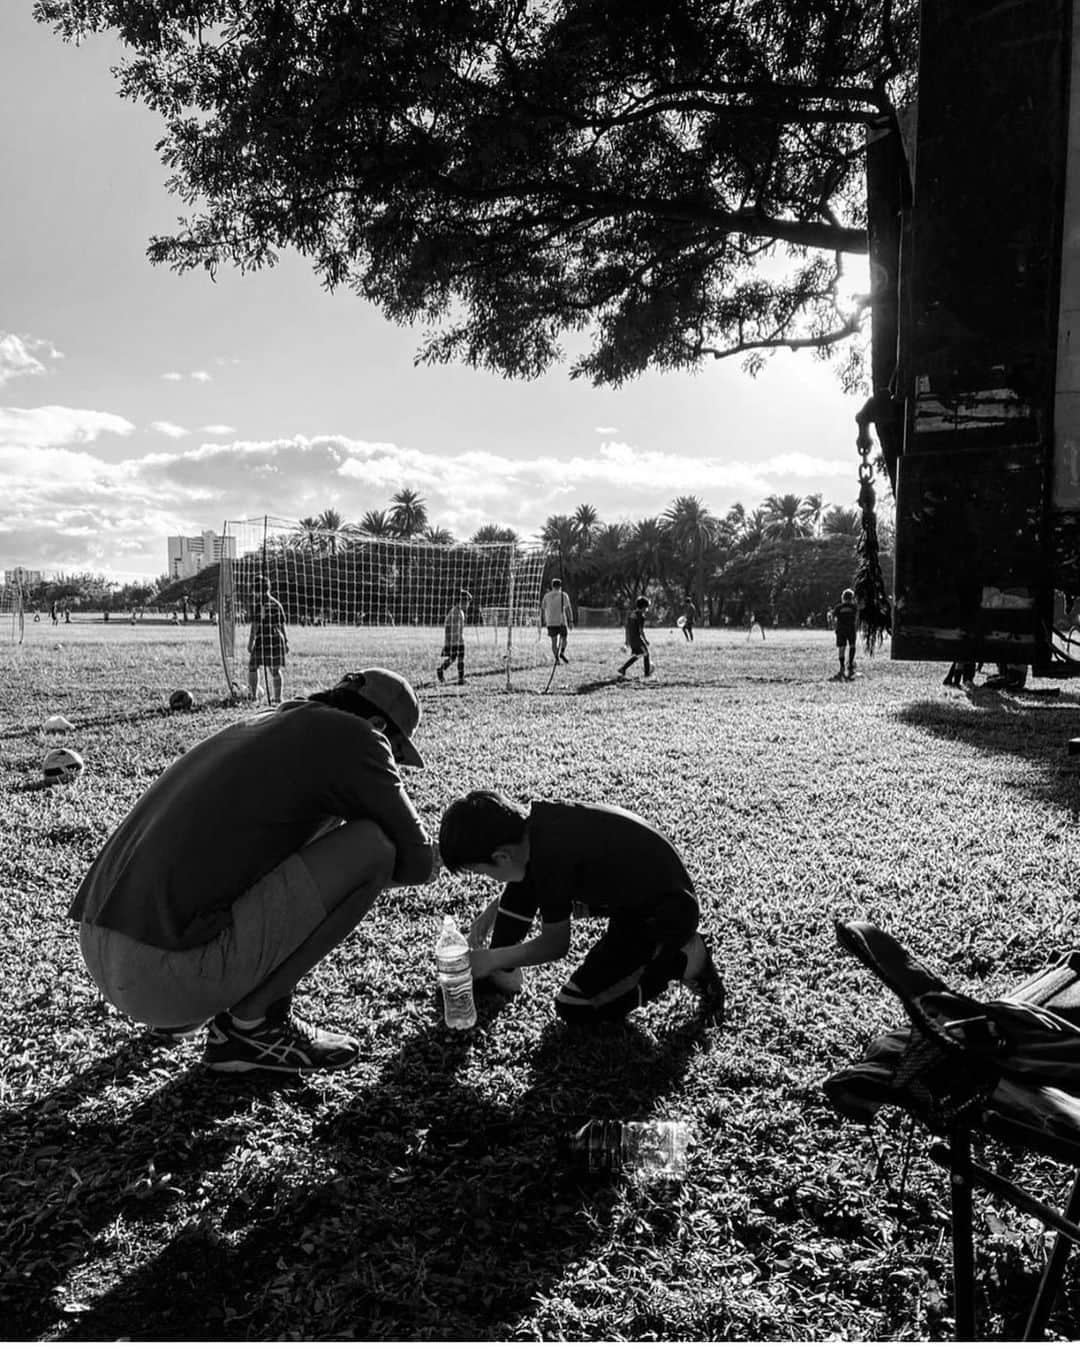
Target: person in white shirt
557,615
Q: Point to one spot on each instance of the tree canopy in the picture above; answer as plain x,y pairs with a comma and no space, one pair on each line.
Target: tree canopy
621,183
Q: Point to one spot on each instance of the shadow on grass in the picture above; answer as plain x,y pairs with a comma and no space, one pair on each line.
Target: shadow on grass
438,1209
116,719
1031,727
73,1181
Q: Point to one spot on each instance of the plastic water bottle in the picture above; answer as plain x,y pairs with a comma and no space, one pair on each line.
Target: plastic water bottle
644,1149
455,976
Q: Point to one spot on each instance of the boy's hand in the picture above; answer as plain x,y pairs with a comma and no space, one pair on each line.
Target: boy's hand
482,962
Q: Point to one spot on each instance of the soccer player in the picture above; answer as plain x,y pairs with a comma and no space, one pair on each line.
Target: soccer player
636,639
267,642
454,639
560,858
557,615
248,861
689,616
844,621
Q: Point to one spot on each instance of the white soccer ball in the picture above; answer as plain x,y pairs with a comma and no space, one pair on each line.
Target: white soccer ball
57,723
180,700
61,765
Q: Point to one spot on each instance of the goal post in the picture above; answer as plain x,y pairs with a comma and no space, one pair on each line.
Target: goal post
589,616
384,600
13,610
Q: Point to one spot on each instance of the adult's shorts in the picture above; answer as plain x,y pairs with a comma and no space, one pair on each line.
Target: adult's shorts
174,988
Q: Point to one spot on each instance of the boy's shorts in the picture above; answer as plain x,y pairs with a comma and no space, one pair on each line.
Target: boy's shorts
616,963
845,639
174,988
454,652
557,630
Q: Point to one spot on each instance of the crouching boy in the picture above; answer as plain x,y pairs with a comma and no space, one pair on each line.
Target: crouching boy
560,857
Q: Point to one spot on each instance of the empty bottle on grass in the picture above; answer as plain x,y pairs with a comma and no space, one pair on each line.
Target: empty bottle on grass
455,976
644,1149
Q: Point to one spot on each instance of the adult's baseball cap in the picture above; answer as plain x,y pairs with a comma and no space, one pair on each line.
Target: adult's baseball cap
395,699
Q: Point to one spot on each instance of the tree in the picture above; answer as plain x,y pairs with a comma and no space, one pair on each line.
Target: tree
495,534
788,517
375,523
437,534
308,537
408,513
586,518
561,532
692,531
509,173
842,520
332,530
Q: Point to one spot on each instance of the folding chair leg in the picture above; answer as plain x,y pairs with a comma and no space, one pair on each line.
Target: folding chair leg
960,1181
1050,1283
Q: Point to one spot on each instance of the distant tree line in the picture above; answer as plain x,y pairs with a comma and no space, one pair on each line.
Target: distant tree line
787,559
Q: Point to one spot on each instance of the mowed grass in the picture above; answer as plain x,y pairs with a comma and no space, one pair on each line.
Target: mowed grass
421,1194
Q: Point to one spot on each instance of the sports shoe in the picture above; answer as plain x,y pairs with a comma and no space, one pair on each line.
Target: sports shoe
288,1045
706,984
439,675
178,1034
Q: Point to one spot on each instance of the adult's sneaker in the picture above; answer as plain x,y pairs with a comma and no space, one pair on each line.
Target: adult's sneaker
287,1045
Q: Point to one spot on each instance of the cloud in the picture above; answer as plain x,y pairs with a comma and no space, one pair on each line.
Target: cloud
170,429
69,507
174,376
218,430
605,430
24,356
201,376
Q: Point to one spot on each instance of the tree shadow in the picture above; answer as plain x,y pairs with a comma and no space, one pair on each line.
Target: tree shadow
1029,726
439,1208
76,1170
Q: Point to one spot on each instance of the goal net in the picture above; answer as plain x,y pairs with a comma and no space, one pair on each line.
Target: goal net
12,612
379,601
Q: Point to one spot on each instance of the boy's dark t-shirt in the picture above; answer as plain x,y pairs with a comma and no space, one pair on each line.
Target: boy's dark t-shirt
607,858
844,615
635,630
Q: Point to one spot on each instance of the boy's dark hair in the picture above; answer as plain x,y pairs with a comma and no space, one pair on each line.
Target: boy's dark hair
642,603
556,583
475,825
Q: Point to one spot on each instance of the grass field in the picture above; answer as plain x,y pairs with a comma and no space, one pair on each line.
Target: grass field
420,1195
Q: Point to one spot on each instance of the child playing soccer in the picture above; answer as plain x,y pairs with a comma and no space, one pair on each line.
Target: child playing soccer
559,857
844,616
636,639
454,639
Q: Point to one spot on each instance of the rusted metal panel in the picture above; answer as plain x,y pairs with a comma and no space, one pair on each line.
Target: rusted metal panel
979,331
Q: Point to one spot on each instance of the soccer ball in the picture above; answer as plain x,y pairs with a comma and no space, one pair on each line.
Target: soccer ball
61,765
181,701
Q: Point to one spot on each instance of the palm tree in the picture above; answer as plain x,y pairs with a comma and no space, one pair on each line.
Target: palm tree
408,513
843,520
560,532
331,525
437,534
752,535
494,534
786,518
586,518
307,537
692,531
376,523
648,547
812,508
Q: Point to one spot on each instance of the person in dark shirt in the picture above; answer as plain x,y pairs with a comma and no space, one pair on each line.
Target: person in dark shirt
689,616
267,642
559,859
844,618
636,639
247,861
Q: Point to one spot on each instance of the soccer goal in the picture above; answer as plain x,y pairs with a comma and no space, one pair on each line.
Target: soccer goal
395,594
13,612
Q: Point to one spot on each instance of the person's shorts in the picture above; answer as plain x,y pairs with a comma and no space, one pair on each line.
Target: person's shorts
557,630
616,962
455,652
268,653
174,988
845,639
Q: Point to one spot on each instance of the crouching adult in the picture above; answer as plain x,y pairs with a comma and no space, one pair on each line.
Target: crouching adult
247,861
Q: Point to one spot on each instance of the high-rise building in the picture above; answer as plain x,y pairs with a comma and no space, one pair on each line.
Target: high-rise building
23,576
189,554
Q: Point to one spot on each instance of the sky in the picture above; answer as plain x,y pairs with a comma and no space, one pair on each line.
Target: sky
137,404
